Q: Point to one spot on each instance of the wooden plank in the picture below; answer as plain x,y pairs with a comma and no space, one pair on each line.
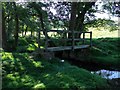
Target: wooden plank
61,48
67,39
67,48
65,31
81,46
55,31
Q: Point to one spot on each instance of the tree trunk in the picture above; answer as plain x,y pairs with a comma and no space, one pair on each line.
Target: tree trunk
77,23
80,24
0,28
4,38
50,43
72,18
16,25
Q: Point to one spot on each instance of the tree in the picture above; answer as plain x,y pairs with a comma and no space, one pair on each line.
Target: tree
16,25
78,11
4,39
38,8
38,16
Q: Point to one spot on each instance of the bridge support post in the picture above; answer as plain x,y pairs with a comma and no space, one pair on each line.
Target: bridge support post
73,42
46,41
83,37
90,38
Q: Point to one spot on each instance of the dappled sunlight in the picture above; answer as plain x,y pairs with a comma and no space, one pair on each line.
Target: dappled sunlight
55,45
18,74
46,75
37,64
97,49
28,72
26,45
41,85
8,56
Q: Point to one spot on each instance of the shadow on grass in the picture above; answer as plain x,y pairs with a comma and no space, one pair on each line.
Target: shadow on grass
21,72
24,72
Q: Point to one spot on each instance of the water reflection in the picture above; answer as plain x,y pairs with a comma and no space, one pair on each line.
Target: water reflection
107,74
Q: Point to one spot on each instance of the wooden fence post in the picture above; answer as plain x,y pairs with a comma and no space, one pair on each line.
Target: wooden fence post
46,41
73,43
90,38
65,37
83,37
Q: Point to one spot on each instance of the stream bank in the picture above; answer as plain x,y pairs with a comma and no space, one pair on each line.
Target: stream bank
112,74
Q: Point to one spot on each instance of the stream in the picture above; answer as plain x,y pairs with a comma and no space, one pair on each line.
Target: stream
107,74
103,71
112,74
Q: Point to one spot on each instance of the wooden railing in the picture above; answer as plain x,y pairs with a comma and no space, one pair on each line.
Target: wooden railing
73,39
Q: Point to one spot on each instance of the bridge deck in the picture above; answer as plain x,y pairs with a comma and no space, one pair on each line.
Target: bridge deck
61,48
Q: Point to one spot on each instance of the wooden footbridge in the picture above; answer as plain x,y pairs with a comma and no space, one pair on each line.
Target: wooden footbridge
82,40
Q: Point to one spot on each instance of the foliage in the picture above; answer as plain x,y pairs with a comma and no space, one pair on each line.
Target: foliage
112,7
26,45
107,24
54,15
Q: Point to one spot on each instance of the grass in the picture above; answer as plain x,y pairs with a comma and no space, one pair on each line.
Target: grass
105,51
103,33
26,45
20,71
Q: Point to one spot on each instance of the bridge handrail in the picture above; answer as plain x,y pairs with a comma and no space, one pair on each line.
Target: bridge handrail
67,31
73,39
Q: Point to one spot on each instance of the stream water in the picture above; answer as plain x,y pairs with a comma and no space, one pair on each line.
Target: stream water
107,74
96,69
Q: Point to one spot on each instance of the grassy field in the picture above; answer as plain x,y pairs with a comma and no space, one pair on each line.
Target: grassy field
102,33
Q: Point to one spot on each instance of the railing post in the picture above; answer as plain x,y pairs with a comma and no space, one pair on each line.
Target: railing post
73,40
64,37
90,38
46,41
83,37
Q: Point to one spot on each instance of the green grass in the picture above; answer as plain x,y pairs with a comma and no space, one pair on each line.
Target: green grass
20,71
100,32
26,45
105,51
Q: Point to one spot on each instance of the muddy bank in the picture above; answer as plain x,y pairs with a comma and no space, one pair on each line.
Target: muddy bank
114,84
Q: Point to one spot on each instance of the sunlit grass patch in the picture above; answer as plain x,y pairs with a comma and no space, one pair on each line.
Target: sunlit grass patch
7,55
38,86
35,73
26,45
103,33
